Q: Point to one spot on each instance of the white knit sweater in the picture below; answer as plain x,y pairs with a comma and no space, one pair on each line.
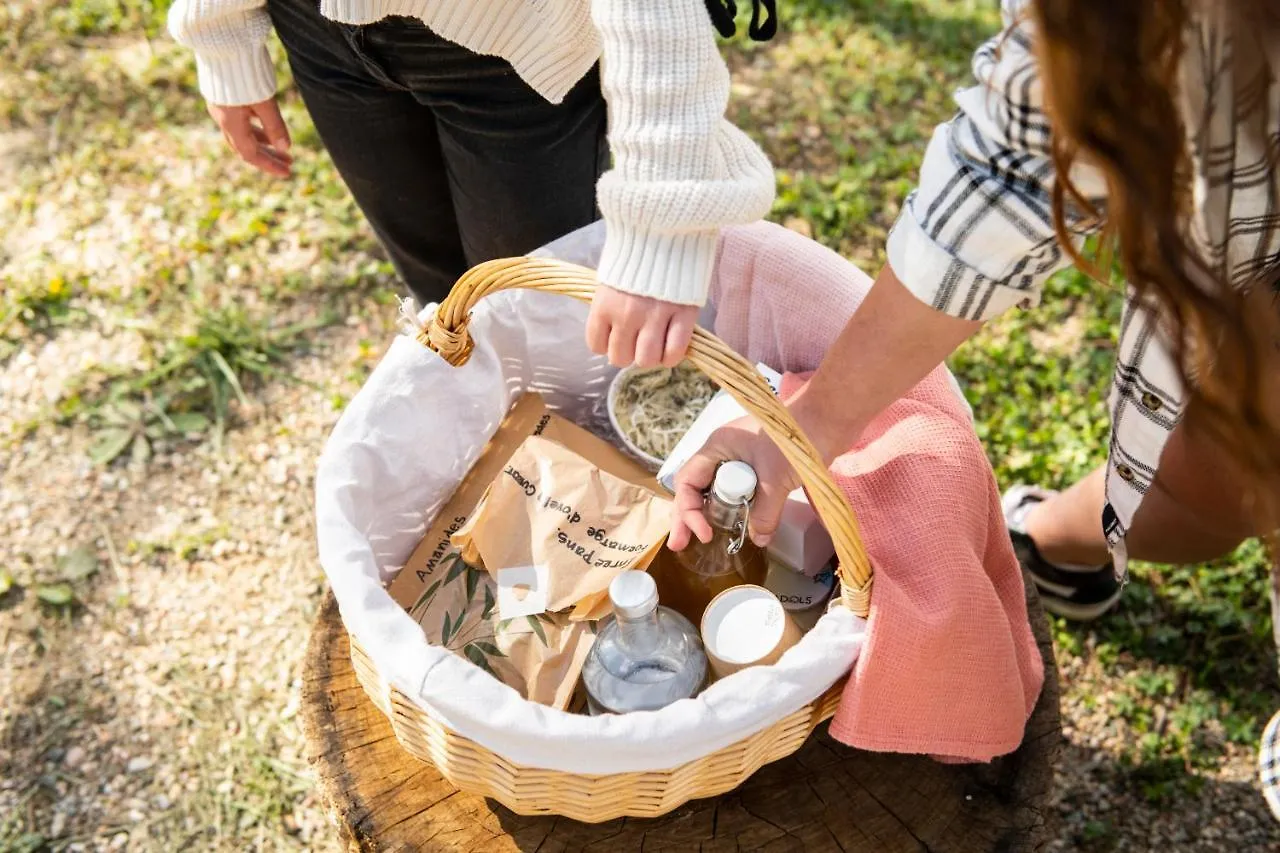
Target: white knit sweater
680,170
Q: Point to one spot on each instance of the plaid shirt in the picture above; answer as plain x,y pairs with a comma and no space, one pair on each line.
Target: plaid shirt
976,237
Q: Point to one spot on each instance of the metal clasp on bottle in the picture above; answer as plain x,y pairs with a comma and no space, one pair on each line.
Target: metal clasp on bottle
740,530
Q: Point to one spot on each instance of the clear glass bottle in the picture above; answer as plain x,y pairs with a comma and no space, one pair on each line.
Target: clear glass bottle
692,577
644,656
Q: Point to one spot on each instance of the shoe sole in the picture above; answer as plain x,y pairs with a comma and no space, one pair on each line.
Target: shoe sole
1073,610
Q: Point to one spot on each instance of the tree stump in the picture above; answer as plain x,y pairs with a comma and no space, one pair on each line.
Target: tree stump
826,797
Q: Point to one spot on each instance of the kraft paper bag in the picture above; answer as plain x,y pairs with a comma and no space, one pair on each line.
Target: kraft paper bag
555,529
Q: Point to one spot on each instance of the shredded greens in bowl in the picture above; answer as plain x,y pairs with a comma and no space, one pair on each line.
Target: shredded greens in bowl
655,406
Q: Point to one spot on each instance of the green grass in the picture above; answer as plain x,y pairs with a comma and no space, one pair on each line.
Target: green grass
223,276
845,101
33,307
246,791
194,383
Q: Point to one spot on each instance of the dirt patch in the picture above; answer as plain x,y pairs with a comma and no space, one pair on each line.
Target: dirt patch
17,147
158,711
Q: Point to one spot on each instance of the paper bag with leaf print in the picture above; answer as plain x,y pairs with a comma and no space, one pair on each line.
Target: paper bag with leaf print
541,655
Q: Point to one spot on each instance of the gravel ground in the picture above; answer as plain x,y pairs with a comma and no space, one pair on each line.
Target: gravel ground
1102,804
160,710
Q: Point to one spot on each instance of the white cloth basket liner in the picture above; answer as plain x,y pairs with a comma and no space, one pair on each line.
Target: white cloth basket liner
397,453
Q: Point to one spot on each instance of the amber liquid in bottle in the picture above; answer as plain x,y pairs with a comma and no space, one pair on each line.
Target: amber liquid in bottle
691,578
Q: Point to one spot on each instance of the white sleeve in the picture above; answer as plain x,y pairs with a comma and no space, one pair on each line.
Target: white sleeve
229,39
680,169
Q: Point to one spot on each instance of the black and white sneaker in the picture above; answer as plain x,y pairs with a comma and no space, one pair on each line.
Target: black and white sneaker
1073,592
1269,764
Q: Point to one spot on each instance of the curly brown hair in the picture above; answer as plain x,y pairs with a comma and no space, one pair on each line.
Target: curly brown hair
1110,72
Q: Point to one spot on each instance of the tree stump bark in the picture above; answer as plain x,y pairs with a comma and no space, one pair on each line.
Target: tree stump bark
826,797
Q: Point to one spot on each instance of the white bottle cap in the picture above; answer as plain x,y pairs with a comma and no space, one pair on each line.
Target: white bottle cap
746,626
735,483
633,594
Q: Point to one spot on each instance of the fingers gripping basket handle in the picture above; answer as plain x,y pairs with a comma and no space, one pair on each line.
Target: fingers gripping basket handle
447,335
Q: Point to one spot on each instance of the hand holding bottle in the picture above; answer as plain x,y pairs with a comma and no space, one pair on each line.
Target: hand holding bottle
892,342
725,559
743,440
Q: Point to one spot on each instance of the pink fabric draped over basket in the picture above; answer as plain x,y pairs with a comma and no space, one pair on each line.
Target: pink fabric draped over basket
950,667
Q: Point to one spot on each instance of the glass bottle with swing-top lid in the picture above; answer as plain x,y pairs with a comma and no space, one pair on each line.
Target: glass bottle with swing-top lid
691,578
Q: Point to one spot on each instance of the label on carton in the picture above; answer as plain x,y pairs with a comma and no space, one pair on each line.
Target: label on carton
797,591
522,591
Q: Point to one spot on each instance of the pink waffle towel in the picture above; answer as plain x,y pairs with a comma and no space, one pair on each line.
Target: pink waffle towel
950,667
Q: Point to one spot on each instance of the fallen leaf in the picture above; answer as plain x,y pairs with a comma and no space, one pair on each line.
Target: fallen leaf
189,422
141,450
78,565
129,410
57,594
110,444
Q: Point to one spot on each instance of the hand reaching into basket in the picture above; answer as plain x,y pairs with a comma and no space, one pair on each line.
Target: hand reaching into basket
893,341
639,330
744,440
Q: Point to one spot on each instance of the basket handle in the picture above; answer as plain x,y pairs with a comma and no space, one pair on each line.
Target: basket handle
447,335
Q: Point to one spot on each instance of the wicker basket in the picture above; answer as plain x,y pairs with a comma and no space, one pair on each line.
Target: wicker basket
594,798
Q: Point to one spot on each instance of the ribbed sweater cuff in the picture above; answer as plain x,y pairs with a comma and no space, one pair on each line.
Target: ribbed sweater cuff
237,79
671,267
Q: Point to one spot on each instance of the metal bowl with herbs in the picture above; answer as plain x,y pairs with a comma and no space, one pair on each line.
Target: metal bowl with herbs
651,408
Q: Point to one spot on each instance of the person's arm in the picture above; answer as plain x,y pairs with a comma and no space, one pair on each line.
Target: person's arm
893,337
229,38
680,172
236,76
975,238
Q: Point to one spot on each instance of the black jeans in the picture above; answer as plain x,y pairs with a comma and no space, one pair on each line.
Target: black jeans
453,158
